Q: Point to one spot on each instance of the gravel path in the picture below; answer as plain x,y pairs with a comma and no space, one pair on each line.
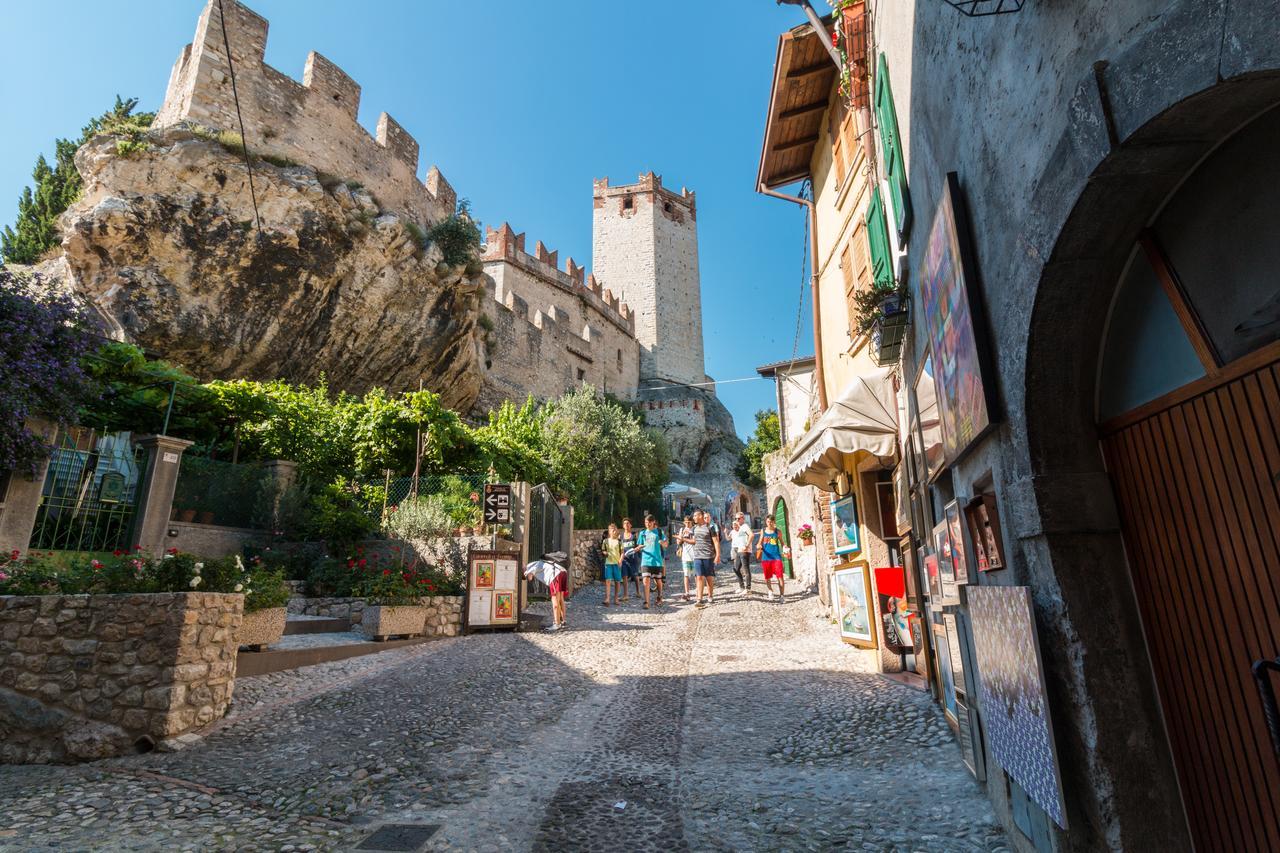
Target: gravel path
746,725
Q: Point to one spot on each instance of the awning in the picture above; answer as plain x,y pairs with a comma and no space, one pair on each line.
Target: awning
679,491
862,422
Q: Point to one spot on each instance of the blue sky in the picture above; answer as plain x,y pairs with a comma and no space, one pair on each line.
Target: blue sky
519,104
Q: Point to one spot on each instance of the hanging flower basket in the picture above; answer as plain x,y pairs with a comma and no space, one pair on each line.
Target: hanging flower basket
890,329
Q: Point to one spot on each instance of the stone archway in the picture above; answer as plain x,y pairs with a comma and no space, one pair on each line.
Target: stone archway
1140,136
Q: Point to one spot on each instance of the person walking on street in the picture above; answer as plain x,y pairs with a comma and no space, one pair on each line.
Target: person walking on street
684,538
706,553
630,560
612,548
742,540
769,553
652,563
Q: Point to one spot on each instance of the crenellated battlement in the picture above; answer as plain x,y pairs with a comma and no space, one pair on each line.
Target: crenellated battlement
647,186
313,122
503,244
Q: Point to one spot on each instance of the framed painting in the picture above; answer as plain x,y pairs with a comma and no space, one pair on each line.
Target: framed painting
935,579
928,426
984,532
952,317
844,525
494,591
851,599
901,499
1013,698
942,547
899,626
955,530
503,605
484,570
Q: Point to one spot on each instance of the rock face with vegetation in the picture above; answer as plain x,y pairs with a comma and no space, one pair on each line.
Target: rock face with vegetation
164,246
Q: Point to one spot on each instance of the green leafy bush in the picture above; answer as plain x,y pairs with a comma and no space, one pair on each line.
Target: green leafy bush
457,236
425,517
264,588
331,577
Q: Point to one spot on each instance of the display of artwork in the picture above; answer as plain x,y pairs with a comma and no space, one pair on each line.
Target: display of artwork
946,284
942,548
851,597
942,649
984,530
1013,697
957,657
493,589
484,575
503,605
900,627
931,572
902,499
955,530
844,525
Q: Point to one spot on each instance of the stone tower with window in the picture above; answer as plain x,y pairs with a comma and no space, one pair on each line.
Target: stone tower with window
645,249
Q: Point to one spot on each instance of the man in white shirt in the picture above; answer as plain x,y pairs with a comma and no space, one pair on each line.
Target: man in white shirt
556,577
741,542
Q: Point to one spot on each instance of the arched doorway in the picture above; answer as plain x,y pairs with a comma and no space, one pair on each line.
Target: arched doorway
784,533
1153,378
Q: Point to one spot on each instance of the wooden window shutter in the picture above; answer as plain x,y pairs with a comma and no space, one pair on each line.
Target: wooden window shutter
891,144
861,257
878,242
835,124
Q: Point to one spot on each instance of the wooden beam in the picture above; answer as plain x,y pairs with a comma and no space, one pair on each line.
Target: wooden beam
795,143
795,112
1208,354
806,70
788,177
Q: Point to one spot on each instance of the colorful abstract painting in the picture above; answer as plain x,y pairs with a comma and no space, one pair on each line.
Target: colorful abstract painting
948,320
502,605
1014,702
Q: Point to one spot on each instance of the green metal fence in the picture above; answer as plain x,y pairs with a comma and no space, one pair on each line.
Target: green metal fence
210,491
458,494
90,492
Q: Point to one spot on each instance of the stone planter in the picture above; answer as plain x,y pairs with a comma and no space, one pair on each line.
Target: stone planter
262,627
94,676
402,620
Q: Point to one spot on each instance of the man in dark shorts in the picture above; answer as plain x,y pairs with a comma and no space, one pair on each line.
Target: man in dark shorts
706,553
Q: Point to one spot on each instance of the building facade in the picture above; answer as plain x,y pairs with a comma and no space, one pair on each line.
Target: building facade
1079,208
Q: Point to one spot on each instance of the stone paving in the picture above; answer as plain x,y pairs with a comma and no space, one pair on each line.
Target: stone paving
745,725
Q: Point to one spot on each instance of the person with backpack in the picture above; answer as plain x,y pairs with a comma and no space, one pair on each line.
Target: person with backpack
684,538
651,541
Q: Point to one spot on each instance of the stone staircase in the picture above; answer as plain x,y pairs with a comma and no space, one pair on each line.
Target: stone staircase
311,640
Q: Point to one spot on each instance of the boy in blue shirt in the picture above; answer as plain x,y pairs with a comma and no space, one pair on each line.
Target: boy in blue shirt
651,541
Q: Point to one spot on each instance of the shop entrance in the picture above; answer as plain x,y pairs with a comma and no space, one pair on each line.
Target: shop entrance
1189,399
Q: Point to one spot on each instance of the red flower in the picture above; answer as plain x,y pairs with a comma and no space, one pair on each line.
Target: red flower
15,554
363,563
116,553
386,572
351,564
137,547
171,550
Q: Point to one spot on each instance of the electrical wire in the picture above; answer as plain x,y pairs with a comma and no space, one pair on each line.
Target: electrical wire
235,95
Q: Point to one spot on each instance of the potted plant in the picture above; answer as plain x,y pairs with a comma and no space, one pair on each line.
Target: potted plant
806,534
392,607
265,597
882,311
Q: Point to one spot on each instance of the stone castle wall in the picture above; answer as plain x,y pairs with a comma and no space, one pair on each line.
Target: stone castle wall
553,329
313,122
645,247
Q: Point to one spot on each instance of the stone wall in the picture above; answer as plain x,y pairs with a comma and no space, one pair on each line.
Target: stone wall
91,676
211,540
586,560
313,122
444,614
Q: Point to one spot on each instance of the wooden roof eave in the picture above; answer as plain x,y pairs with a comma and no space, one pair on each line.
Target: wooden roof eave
768,174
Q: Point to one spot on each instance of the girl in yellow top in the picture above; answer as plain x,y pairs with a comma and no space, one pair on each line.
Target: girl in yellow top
612,548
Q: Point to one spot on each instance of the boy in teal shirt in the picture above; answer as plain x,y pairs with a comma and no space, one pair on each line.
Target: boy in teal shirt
650,543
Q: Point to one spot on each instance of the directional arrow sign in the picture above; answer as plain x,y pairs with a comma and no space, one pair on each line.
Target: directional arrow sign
497,503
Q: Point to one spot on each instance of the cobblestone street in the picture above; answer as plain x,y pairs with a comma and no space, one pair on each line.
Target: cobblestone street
742,726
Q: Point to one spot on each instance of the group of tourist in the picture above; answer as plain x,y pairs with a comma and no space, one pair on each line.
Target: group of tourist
631,556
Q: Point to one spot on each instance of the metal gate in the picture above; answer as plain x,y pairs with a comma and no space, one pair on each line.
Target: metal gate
90,492
546,527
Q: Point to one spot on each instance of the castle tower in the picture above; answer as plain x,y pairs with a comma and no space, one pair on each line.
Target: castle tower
645,249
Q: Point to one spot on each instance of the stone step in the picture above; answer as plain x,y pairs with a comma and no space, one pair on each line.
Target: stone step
291,652
298,624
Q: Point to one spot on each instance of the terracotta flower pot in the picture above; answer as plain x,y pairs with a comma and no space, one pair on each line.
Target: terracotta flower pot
187,515
206,517
261,628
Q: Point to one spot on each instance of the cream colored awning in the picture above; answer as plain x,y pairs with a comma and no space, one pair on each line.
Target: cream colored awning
863,422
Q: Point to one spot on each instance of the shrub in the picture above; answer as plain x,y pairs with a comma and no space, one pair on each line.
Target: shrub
331,578
416,234
264,588
457,236
425,517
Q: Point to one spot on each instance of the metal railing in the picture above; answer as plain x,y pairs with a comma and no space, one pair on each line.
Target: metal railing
90,492
210,491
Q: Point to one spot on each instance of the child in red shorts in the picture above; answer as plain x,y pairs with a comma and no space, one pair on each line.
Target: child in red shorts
769,553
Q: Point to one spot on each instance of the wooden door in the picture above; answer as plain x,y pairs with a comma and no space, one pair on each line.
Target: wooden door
784,534
1197,479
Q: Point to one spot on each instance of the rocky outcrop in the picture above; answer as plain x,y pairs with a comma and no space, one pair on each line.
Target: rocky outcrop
164,246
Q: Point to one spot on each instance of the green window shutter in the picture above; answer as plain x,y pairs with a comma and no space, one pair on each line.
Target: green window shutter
895,168
878,242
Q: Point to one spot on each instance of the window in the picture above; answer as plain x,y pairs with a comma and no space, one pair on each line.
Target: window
666,205
844,139
619,359
855,263
627,203
891,148
881,262
582,374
